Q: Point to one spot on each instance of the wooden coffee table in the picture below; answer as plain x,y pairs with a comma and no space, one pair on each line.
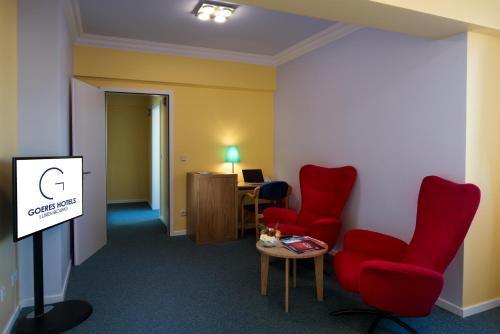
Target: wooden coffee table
281,252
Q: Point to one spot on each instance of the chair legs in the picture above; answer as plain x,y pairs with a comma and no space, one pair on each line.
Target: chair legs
378,316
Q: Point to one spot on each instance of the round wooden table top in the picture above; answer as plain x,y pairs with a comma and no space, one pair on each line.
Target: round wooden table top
282,252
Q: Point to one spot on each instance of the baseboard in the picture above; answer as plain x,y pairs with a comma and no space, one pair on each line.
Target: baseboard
481,307
178,233
163,221
66,279
12,320
123,201
50,299
465,312
450,307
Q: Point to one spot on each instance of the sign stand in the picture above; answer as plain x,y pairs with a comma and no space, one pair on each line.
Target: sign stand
54,318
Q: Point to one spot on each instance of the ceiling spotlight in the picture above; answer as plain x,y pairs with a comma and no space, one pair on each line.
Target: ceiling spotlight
207,9
225,12
203,16
220,19
214,10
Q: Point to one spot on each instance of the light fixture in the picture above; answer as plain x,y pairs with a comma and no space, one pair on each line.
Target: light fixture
232,155
220,19
214,10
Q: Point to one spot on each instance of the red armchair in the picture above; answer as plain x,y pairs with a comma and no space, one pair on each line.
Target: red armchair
324,194
398,279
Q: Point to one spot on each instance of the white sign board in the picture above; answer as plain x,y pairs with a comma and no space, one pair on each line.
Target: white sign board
48,191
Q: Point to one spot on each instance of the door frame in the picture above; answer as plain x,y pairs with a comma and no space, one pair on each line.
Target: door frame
170,94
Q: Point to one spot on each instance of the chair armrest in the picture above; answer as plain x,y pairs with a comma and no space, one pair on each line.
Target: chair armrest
326,230
399,288
374,244
273,216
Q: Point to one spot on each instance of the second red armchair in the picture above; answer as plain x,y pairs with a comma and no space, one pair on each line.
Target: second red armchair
324,193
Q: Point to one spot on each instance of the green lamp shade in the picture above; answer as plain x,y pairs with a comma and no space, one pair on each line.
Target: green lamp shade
232,154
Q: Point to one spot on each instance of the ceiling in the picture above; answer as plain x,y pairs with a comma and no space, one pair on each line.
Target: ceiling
250,30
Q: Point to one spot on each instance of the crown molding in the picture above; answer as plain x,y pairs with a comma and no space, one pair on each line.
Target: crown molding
171,49
73,18
327,36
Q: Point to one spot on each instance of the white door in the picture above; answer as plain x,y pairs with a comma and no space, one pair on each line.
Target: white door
89,141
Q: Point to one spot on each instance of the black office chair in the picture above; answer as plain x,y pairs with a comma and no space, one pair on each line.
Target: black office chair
275,193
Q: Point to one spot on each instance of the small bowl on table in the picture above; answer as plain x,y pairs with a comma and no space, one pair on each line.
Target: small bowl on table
269,241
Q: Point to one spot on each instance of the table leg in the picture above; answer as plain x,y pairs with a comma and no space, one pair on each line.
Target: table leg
294,273
264,273
287,276
318,266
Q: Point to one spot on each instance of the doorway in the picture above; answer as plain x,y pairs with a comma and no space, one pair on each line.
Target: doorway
89,139
137,152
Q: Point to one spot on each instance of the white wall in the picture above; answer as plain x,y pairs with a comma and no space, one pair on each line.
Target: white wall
391,105
45,69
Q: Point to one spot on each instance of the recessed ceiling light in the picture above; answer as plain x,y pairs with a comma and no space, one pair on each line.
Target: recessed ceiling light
214,10
203,16
220,19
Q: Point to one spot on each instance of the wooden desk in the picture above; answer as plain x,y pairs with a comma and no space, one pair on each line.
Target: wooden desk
247,186
212,207
282,252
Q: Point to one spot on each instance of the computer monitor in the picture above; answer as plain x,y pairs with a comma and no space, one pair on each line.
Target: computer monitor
253,176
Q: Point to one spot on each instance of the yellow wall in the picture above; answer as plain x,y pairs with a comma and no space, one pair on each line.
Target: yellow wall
128,141
8,147
480,12
425,18
215,104
482,246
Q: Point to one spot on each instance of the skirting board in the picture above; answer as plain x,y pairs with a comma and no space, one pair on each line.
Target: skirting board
122,201
12,320
49,299
178,233
465,312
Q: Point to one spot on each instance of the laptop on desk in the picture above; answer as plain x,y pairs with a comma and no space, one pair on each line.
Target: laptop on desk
253,177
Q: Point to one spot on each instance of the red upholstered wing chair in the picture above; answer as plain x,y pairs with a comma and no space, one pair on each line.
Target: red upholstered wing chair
406,280
324,194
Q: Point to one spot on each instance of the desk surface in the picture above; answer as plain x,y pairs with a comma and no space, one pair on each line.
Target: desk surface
247,186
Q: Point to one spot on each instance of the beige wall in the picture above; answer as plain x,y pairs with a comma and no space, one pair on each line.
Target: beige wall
215,103
128,147
482,246
8,148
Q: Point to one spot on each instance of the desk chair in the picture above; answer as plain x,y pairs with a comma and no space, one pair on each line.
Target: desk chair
276,193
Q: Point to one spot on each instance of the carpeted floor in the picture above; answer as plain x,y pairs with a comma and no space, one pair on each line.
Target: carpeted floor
146,282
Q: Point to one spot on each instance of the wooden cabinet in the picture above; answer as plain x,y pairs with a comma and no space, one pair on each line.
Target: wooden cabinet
212,207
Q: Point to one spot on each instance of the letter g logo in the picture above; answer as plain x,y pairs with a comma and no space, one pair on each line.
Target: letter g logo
48,182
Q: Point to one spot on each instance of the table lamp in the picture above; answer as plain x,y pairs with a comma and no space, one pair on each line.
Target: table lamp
232,155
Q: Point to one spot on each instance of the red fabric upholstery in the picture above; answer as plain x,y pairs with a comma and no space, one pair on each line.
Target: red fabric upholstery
407,279
399,288
324,193
375,244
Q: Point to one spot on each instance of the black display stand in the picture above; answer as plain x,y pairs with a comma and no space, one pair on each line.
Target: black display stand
54,318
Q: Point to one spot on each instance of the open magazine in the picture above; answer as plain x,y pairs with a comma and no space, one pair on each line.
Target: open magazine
302,244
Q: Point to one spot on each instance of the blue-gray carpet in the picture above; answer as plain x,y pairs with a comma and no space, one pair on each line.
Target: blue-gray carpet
143,281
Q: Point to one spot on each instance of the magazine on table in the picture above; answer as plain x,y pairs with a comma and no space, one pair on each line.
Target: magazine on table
303,244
